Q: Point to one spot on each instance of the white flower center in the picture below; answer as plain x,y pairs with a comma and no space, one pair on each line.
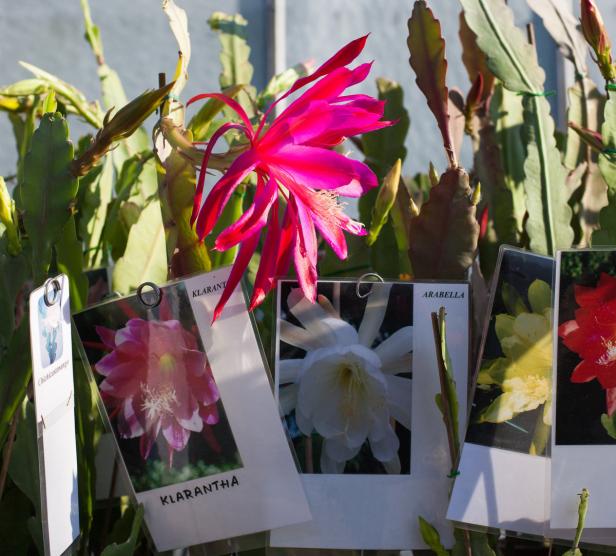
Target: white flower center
351,381
158,403
610,352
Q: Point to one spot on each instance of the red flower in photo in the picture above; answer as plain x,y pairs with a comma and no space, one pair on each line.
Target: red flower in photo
592,335
157,382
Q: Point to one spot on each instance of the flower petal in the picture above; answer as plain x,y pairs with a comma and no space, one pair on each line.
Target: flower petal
385,448
399,366
394,348
287,398
393,466
244,255
127,422
222,191
288,370
252,220
320,168
230,102
298,337
311,316
204,165
305,253
374,313
266,273
106,335
330,466
176,436
399,396
194,424
338,450
344,56
610,401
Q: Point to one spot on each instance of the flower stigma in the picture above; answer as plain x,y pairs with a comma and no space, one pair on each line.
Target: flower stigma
610,352
167,363
158,403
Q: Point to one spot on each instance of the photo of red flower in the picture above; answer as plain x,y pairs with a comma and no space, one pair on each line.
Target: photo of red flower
592,335
158,389
587,346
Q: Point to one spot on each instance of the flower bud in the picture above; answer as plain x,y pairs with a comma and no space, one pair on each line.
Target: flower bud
6,217
384,201
473,102
433,175
596,36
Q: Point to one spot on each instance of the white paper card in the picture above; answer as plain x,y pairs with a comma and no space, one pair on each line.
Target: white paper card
52,376
584,437
350,346
503,468
193,412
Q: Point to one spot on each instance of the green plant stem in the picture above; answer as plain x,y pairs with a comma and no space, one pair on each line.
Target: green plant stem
112,486
442,374
8,450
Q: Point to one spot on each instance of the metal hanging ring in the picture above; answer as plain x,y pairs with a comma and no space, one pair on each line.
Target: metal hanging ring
362,279
158,294
53,282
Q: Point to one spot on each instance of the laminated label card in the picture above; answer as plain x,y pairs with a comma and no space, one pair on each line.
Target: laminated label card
356,377
191,408
584,436
503,466
52,377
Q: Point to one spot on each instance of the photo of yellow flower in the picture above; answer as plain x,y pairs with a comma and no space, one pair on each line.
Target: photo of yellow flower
512,405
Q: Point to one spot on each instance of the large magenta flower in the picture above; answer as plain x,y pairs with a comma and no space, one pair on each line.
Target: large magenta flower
297,174
157,381
592,335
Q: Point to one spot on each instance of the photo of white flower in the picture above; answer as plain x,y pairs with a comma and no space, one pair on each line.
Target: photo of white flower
344,376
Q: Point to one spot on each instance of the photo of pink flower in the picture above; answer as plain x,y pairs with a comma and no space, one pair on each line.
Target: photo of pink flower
158,389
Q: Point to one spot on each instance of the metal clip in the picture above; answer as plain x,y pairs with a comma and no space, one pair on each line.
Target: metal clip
156,291
362,279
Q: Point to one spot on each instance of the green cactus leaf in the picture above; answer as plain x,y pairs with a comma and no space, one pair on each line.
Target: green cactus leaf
513,60
70,260
91,113
549,214
443,237
381,150
606,234
431,537
427,49
15,373
234,56
24,469
280,83
14,270
132,518
95,194
145,256
200,124
48,189
186,253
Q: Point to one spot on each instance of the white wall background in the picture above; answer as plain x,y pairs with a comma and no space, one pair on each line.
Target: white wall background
138,44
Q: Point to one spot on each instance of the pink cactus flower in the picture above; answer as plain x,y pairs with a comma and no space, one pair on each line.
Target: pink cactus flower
298,175
157,381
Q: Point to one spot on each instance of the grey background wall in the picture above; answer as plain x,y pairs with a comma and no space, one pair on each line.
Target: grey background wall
138,44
